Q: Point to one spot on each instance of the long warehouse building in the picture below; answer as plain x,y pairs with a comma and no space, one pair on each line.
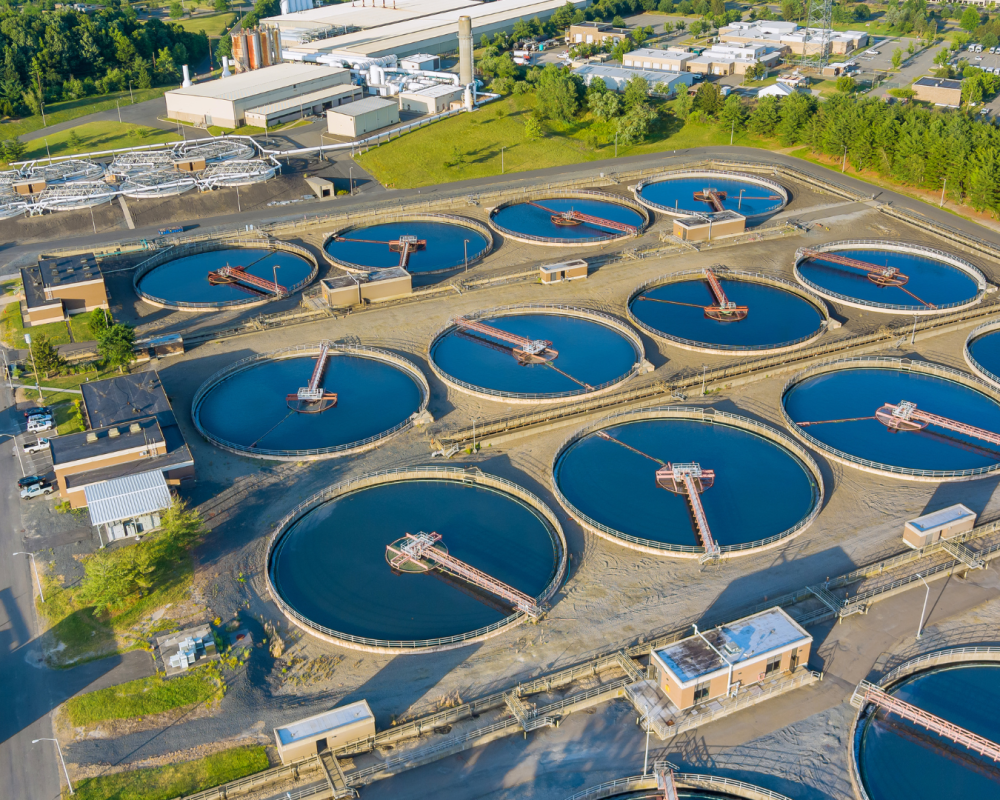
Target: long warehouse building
433,34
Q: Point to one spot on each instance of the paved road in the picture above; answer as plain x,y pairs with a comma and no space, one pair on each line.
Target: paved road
30,691
145,113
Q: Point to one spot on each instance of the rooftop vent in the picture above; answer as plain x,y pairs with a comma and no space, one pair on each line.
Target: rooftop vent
135,427
91,437
113,432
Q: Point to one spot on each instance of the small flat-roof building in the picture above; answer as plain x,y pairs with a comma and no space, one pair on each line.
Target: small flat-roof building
670,60
326,731
788,35
431,99
345,291
720,662
297,107
617,78
705,227
364,116
563,271
941,524
225,101
939,91
595,33
55,288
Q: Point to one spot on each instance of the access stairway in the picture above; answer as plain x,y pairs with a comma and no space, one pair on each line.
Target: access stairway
419,551
314,392
576,217
240,279
724,310
870,693
713,197
335,775
883,276
907,417
690,480
524,350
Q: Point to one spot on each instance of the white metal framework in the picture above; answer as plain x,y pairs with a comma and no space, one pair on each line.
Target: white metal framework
162,183
216,150
64,171
73,196
236,173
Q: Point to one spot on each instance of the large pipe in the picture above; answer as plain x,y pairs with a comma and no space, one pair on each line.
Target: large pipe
187,76
465,75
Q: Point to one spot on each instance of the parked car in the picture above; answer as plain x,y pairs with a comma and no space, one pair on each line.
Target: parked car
871,52
39,424
37,447
36,490
168,231
29,480
38,410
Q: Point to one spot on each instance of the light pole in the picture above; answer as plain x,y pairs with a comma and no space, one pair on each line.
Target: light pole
465,246
274,270
616,144
31,352
732,132
920,627
47,151
913,334
843,163
239,207
351,171
66,771
33,567
704,369
645,760
119,110
132,96
92,220
943,185
17,452
501,160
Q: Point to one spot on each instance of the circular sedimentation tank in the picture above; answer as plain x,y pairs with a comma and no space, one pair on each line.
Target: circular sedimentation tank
327,562
188,278
982,352
251,406
913,420
423,244
689,786
896,759
889,277
490,353
607,477
768,315
704,191
575,218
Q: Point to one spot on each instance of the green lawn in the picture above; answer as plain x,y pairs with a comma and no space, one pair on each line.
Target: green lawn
145,696
471,144
66,110
175,780
213,25
69,419
13,329
80,324
252,130
95,136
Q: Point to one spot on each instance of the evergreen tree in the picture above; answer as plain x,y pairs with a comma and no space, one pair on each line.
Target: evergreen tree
116,345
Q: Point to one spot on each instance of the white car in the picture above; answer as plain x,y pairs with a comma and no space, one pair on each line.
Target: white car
39,424
979,58
36,490
871,52
37,447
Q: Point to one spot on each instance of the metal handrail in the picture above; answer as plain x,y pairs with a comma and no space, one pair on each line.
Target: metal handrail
986,327
583,194
728,274
884,362
362,351
554,309
637,191
702,414
418,473
465,222
952,652
642,781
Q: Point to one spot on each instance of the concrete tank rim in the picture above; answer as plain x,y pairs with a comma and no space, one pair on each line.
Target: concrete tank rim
990,326
708,173
469,475
739,275
705,415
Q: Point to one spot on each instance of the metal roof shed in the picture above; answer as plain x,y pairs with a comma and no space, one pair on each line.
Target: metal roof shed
128,497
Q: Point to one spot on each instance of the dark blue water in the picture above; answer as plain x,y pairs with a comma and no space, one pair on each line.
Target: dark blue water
901,761
185,280
932,281
331,565
985,351
617,487
249,408
860,392
678,194
445,249
776,317
524,218
589,352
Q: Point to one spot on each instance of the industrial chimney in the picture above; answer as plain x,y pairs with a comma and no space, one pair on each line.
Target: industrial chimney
465,74
225,67
187,76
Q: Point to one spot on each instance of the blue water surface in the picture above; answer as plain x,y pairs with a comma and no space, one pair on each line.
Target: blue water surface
530,220
985,351
932,281
249,408
858,393
902,761
331,566
446,247
617,487
677,194
185,280
589,353
776,317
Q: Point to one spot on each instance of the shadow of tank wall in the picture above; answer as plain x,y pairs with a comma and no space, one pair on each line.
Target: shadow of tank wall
60,225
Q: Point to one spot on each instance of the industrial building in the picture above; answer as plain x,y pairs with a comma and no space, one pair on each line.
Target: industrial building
724,660
617,78
132,451
225,101
670,60
937,525
788,35
939,91
326,731
297,107
431,34
705,227
431,99
55,288
364,116
383,284
595,33
719,59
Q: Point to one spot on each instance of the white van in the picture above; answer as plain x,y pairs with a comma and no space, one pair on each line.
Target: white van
39,424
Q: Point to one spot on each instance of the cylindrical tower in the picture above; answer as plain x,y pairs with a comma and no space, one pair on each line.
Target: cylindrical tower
465,75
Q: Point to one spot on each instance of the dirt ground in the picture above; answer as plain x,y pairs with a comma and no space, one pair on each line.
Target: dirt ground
612,596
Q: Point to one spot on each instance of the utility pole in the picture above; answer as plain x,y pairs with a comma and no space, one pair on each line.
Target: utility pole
31,352
927,594
942,192
66,771
33,567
